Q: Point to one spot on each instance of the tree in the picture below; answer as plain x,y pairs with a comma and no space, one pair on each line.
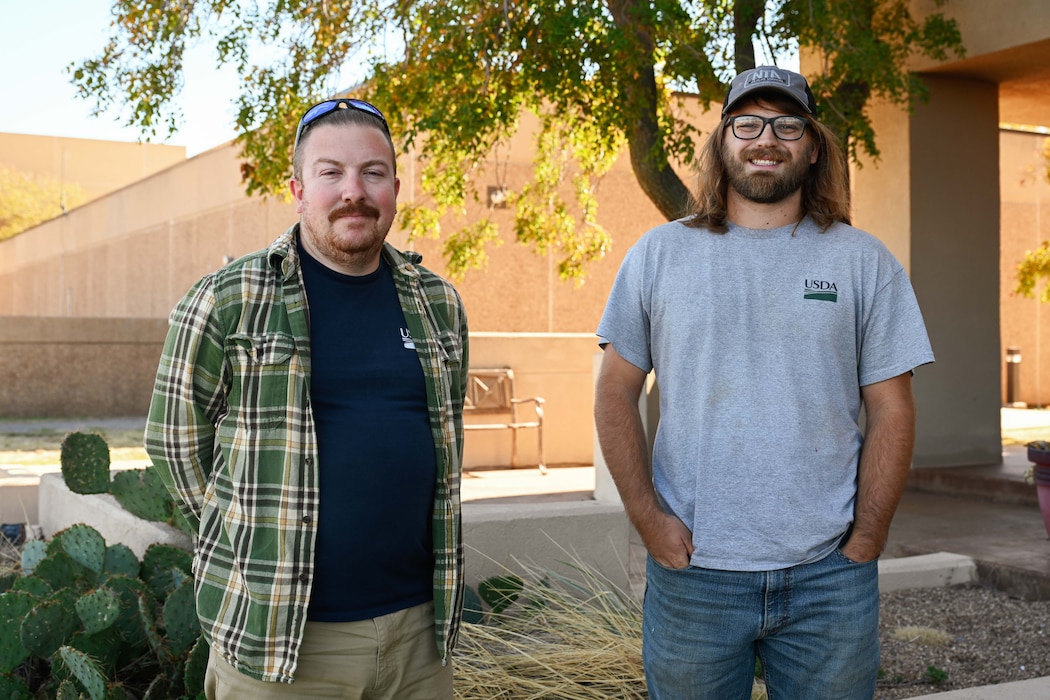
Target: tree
454,77
27,200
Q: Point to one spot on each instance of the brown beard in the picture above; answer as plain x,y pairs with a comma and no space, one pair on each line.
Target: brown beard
766,188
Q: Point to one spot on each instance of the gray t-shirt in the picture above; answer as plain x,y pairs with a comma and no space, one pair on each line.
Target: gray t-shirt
761,340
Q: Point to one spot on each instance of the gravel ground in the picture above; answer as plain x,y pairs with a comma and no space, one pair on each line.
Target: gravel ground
968,636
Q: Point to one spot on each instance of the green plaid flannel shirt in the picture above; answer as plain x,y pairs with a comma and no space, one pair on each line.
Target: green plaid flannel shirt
231,433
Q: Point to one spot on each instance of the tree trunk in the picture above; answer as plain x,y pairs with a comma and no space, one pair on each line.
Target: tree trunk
649,161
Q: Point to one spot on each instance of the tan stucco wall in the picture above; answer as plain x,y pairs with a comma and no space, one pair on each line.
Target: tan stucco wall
987,26
77,366
133,253
70,367
1025,200
98,167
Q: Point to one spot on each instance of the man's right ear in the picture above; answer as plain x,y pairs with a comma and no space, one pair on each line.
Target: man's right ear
296,189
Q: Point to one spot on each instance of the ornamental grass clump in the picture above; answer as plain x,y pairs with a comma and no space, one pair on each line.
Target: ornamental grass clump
575,638
549,635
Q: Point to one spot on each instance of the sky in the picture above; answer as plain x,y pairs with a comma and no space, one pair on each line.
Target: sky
40,38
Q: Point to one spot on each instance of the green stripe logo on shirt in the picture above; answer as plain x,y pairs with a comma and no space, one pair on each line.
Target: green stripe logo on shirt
821,291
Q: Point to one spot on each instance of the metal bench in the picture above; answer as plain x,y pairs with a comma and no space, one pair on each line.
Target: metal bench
490,391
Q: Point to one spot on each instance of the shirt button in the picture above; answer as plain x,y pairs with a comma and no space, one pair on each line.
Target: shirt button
307,519
309,461
303,578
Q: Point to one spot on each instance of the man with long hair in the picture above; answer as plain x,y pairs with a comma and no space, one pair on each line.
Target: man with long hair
770,322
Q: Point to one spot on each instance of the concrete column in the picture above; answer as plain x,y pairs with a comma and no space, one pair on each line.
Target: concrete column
933,197
955,270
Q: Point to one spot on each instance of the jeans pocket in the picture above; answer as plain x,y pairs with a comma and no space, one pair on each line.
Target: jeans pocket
846,560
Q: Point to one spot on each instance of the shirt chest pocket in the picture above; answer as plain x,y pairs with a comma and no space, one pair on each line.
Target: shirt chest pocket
263,378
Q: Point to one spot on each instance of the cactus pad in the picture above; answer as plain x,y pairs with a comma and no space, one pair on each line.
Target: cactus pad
12,688
98,609
85,463
121,560
129,622
34,586
85,670
48,626
196,667
7,581
61,571
84,544
157,563
180,618
142,493
14,607
32,554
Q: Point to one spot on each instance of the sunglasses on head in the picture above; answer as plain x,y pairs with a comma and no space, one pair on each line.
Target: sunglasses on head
322,108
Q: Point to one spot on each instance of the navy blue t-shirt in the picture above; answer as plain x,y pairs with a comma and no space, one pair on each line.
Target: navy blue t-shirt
376,453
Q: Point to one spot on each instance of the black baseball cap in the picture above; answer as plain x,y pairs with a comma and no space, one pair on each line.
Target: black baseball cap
770,79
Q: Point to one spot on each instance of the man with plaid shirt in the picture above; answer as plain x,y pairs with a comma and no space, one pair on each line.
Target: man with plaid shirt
307,417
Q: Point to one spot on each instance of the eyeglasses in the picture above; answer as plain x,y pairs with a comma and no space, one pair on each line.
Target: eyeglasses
322,108
785,127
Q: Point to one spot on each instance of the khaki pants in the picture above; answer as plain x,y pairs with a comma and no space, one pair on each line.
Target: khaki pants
392,657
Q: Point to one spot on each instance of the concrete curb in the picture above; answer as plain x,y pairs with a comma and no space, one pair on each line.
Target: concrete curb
926,571
1031,689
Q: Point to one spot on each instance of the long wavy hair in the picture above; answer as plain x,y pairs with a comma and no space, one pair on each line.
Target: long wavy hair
825,192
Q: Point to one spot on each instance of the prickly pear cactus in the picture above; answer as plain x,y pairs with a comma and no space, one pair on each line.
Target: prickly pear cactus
130,621
85,670
157,565
98,610
91,621
85,463
121,560
32,553
7,581
67,691
107,648
84,544
14,606
142,493
12,688
196,666
61,571
48,626
180,618
34,586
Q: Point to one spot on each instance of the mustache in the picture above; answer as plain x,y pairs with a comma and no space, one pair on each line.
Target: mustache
765,152
353,210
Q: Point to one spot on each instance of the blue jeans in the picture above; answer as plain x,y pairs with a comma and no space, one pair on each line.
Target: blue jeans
814,626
